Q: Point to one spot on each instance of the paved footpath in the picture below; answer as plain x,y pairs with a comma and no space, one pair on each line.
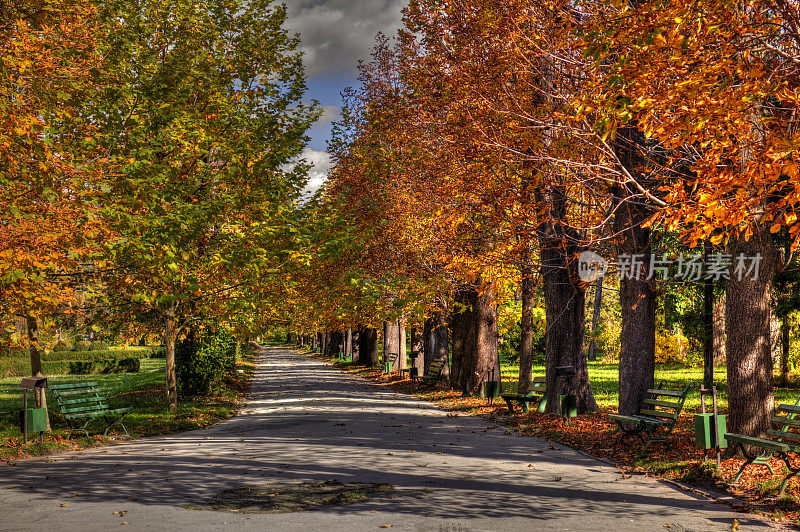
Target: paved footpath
307,421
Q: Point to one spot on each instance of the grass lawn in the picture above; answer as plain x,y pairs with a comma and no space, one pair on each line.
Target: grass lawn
605,384
144,391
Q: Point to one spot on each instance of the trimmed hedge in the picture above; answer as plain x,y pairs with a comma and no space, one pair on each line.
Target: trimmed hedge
203,365
17,367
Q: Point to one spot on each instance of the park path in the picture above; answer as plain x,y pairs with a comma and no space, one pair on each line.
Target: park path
308,421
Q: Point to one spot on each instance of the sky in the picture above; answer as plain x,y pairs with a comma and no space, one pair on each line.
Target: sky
334,35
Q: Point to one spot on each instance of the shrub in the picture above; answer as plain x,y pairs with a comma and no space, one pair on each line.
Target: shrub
99,346
63,345
201,366
83,345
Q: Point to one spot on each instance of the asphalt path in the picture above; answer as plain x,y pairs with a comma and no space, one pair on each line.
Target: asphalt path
307,421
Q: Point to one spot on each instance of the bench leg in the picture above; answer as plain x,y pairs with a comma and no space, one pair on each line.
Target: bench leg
82,428
792,473
524,405
510,406
756,459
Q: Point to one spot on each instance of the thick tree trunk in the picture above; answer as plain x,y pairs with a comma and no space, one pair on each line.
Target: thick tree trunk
526,339
428,343
637,297
564,302
335,341
417,356
719,331
598,301
474,341
402,363
170,335
368,347
748,349
391,342
441,345
354,346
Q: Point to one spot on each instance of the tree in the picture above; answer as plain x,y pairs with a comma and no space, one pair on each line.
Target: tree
201,116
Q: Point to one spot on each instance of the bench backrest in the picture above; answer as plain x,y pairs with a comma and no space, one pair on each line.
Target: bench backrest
79,398
538,386
664,404
435,368
789,431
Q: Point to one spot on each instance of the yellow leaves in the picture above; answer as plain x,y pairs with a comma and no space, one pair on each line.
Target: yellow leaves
716,239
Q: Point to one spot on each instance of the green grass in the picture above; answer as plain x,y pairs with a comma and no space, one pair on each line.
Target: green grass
144,391
605,384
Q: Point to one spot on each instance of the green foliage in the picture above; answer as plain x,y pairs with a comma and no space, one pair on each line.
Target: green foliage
99,346
63,345
203,365
510,343
82,346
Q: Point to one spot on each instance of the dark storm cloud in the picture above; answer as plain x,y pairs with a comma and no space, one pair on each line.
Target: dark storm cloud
336,33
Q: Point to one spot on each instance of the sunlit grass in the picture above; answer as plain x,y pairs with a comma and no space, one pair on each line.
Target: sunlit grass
605,384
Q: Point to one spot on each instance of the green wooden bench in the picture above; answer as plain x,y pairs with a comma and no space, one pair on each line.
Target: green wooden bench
537,395
434,372
657,417
785,439
83,402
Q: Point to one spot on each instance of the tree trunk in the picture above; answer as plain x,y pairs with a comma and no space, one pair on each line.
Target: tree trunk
428,344
748,349
474,341
526,338
417,356
391,342
598,301
402,363
564,303
368,347
637,297
33,344
354,346
441,344
170,335
785,350
719,331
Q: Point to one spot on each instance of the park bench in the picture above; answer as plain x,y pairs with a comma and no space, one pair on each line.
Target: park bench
783,440
656,418
434,372
83,402
537,394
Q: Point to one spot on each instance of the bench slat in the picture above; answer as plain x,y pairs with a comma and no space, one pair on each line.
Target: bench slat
83,400
84,408
784,434
770,445
671,393
70,393
657,414
789,408
786,421
665,404
72,386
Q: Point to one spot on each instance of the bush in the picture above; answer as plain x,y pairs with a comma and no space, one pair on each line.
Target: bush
201,366
63,345
83,345
99,346
161,352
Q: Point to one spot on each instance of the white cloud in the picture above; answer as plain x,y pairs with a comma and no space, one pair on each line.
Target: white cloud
336,33
321,163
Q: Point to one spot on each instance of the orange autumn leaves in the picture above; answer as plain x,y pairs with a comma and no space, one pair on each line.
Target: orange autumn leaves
47,51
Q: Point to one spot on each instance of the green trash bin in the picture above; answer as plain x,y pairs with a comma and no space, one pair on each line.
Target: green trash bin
492,389
703,430
37,420
568,405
